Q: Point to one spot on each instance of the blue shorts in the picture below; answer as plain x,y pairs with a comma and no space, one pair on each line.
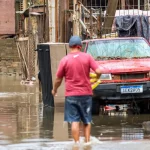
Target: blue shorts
78,108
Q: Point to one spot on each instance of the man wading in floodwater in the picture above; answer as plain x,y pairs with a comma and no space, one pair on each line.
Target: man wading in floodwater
75,67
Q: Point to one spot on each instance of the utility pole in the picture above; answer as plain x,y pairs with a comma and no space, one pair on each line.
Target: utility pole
62,23
76,15
109,17
52,20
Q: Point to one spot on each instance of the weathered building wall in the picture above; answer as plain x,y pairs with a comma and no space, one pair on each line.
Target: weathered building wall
7,17
9,59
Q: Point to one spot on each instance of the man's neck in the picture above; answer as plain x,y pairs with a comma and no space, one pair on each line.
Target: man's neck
74,50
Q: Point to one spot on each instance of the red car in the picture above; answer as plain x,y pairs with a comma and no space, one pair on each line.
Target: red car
125,67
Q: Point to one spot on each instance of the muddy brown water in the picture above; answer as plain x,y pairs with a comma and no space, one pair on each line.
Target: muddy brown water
26,125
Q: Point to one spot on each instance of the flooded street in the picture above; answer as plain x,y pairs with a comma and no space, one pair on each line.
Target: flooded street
25,125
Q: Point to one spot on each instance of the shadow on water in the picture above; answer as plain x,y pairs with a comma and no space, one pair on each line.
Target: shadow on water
25,124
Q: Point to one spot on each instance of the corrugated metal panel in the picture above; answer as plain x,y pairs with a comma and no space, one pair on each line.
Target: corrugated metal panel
7,17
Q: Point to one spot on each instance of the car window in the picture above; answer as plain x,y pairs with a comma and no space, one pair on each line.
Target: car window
123,48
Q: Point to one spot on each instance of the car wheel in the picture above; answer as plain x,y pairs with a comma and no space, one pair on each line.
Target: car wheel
95,107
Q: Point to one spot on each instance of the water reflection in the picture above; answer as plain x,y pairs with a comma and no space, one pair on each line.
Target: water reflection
119,127
47,124
26,124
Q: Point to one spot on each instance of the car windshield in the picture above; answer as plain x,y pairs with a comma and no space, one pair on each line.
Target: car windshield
118,49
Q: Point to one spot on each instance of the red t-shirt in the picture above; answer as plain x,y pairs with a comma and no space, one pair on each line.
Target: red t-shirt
75,67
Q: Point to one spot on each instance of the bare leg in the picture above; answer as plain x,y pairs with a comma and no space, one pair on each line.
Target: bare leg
87,132
75,131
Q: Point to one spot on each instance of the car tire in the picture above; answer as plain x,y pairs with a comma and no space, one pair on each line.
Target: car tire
95,107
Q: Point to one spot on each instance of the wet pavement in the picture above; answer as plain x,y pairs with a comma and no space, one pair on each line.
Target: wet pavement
25,125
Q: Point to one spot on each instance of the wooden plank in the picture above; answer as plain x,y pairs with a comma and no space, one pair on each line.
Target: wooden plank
99,24
86,10
123,4
91,23
109,18
23,39
38,9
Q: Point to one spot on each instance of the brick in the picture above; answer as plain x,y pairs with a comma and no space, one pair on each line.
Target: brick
4,70
15,64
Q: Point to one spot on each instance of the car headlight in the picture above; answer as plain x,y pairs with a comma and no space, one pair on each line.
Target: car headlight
106,77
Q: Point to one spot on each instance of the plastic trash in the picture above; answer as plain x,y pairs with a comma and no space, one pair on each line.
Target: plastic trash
94,85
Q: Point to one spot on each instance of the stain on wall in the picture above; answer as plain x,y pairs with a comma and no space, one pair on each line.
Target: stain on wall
9,59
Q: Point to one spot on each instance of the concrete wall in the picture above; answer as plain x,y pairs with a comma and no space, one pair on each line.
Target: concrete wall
9,59
57,52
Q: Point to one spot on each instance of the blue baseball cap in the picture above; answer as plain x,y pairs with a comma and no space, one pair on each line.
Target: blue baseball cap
75,41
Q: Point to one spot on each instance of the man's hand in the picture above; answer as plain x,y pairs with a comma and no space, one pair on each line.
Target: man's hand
98,72
56,85
54,93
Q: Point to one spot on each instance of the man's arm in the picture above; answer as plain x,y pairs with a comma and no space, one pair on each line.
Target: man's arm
59,77
95,67
98,72
57,83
